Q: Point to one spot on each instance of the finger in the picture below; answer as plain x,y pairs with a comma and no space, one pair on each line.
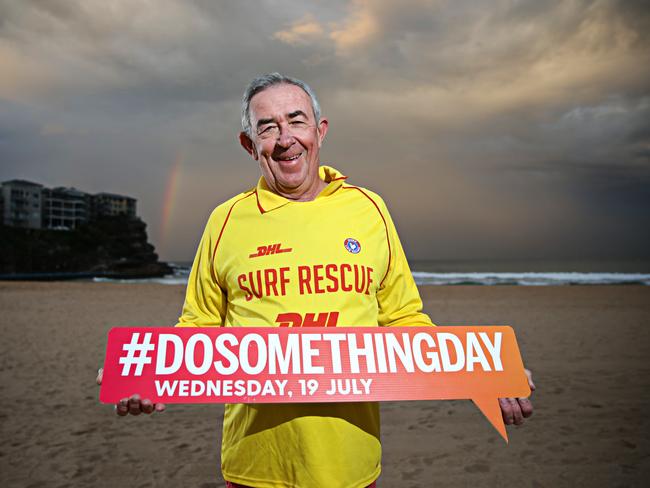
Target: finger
526,407
529,375
159,407
506,411
134,405
517,416
147,406
100,375
122,407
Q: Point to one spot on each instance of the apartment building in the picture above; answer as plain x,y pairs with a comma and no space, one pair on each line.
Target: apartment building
31,205
65,208
22,204
112,204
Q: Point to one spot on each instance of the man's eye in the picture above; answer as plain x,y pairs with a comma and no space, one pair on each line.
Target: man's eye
267,129
298,123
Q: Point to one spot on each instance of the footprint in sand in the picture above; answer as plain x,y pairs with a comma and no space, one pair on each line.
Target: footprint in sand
477,468
410,475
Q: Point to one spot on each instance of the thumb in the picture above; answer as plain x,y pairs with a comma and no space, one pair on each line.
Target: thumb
100,375
529,375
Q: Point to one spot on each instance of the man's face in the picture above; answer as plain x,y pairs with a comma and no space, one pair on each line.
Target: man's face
286,140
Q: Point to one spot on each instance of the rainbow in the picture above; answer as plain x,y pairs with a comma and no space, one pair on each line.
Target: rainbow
171,189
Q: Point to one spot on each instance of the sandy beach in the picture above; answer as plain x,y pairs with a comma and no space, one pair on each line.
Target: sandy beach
588,348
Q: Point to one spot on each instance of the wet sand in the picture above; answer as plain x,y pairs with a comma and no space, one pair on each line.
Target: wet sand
588,348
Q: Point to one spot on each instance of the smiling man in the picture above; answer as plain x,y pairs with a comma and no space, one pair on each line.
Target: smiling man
302,248
337,261
285,137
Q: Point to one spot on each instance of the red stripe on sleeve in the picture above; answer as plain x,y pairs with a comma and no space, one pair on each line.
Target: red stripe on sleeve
385,227
214,253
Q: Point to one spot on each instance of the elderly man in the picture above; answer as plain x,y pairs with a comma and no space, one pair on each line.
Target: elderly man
302,248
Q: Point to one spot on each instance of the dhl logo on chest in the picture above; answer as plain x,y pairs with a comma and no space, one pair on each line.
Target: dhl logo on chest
310,279
270,249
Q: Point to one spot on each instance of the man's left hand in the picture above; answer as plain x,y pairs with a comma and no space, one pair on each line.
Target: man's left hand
515,410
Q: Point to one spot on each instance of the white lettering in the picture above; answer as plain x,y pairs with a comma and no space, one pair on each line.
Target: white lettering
366,384
403,351
434,361
227,354
281,384
290,357
308,353
240,388
335,348
244,347
475,354
493,349
447,365
366,351
381,353
198,388
190,356
164,388
177,356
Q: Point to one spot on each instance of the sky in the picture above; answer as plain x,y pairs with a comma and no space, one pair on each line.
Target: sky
492,129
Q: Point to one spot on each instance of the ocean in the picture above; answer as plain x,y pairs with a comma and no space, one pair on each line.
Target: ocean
490,272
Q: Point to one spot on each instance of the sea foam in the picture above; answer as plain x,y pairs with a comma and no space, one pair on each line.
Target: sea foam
531,278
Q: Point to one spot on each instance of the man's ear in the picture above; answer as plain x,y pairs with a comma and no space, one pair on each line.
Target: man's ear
248,145
323,125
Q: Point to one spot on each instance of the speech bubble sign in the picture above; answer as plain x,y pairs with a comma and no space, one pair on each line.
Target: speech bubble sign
315,364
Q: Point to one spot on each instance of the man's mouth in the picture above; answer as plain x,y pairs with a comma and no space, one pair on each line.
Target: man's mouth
288,158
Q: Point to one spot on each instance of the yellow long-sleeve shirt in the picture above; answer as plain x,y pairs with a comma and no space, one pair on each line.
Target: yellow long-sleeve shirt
264,260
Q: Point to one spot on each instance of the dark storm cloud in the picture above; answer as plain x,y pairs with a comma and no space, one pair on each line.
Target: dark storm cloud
517,128
165,51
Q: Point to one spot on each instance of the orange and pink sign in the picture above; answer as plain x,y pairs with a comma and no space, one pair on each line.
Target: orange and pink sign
344,364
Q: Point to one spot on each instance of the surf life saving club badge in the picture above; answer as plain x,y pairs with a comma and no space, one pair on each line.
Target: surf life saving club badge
352,245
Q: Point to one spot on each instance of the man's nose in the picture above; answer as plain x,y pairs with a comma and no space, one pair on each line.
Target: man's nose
285,137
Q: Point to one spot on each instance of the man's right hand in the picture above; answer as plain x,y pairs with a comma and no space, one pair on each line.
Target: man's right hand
133,405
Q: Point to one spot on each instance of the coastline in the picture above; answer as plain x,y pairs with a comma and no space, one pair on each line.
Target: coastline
587,347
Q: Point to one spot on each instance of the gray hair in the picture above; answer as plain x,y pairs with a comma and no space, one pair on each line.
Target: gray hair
263,82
